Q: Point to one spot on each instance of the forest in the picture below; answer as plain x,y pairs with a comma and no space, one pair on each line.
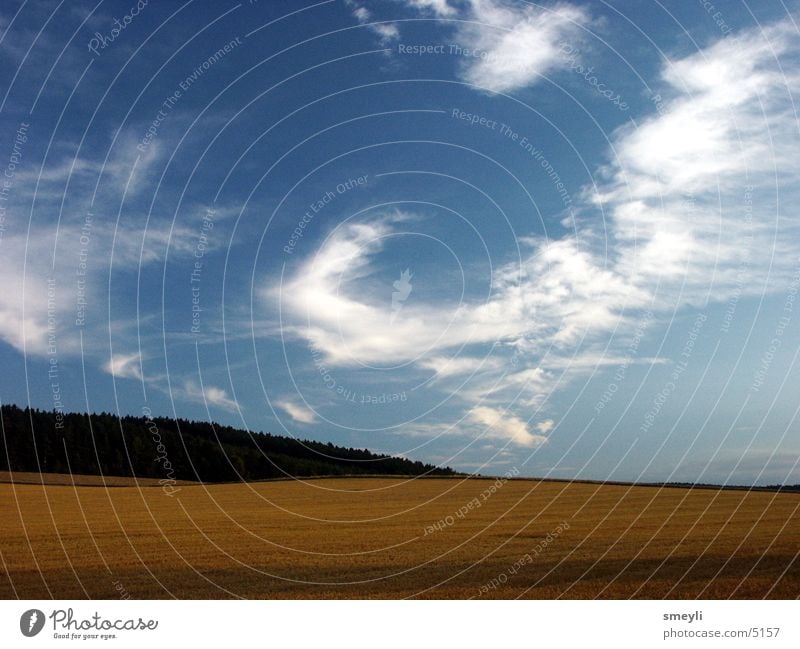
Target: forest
177,449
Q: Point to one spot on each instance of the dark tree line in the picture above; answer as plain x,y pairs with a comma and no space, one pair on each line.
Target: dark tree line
40,440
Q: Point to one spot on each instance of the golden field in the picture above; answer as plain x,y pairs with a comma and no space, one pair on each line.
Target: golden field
396,538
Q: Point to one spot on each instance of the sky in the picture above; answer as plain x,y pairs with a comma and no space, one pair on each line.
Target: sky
555,239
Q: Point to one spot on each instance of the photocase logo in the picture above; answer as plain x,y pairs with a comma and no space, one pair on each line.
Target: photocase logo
402,289
31,622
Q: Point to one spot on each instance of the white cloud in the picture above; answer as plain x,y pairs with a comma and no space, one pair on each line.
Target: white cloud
458,365
677,190
133,247
501,424
38,299
558,293
49,268
23,331
297,412
511,45
219,397
324,304
438,7
545,426
208,395
40,296
674,235
517,44
125,169
125,366
386,32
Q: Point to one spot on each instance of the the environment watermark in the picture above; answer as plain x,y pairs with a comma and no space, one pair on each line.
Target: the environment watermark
53,372
475,119
183,86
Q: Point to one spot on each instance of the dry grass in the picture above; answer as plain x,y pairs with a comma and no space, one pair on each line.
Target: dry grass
365,538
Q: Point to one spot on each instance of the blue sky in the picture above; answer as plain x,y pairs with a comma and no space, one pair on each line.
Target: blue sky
560,238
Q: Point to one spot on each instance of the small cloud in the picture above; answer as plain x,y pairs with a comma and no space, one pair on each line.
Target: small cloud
517,45
209,395
500,424
438,7
219,397
545,426
125,366
387,32
296,412
512,45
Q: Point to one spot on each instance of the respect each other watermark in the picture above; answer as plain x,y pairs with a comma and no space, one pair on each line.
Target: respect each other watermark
317,206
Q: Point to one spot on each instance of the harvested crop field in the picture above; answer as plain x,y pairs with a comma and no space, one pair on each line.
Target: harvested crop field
395,538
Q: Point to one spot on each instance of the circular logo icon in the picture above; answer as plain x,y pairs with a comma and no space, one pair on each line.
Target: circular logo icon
31,622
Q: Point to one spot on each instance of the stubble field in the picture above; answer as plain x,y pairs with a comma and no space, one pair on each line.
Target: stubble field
395,538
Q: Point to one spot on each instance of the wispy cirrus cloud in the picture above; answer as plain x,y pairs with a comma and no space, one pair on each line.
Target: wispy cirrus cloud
350,330
448,366
682,186
673,194
59,246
